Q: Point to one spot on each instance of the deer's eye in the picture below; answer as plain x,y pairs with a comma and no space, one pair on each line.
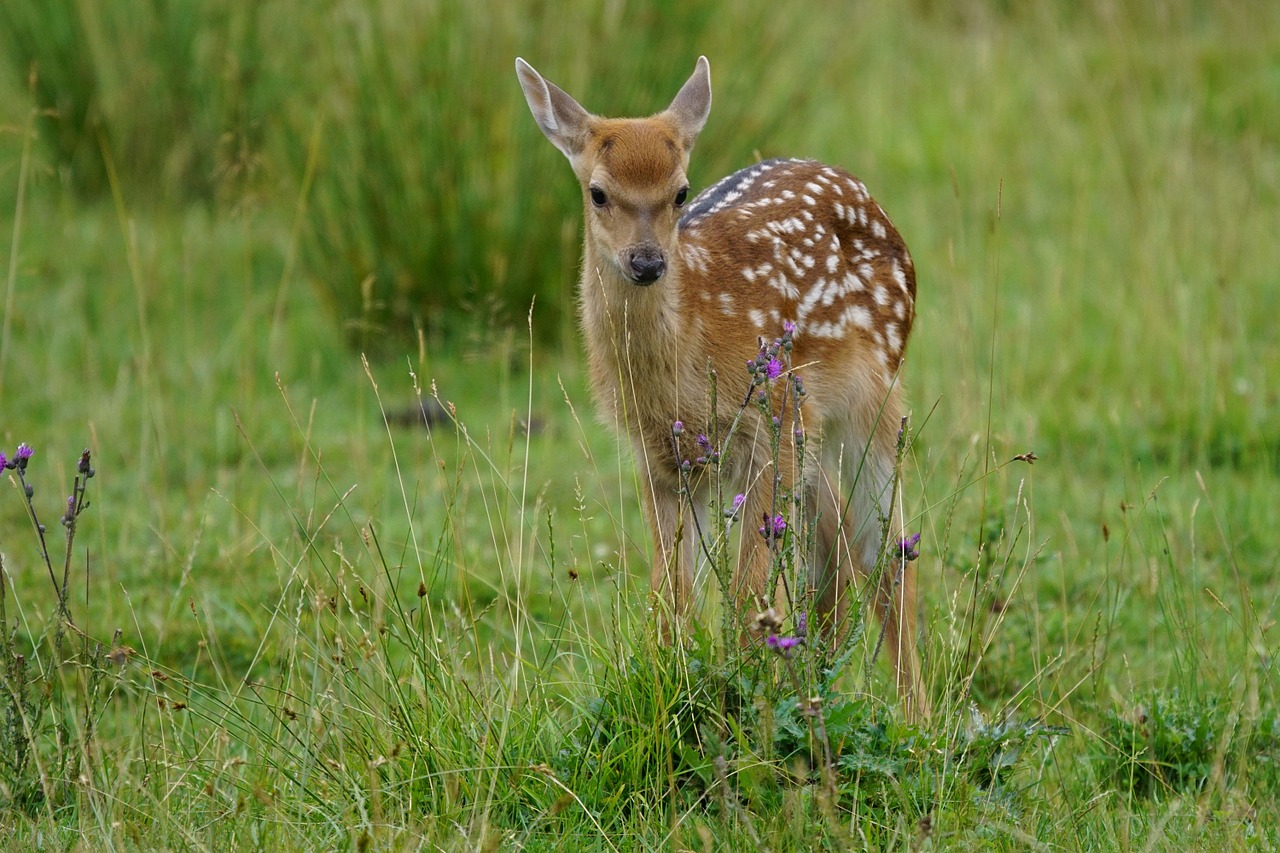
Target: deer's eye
598,197
681,196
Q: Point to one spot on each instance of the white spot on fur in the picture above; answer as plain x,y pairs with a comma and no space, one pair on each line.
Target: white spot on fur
899,276
858,315
891,335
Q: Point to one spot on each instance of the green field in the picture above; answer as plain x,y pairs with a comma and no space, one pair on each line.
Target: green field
240,244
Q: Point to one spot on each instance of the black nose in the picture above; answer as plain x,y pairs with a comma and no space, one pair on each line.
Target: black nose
647,264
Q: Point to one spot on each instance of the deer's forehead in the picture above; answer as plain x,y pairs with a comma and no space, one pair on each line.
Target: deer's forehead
639,152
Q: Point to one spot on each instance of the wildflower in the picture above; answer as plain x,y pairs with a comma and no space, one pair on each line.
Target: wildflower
686,466
799,386
709,454
71,510
738,501
21,455
773,528
802,624
773,369
784,646
677,429
767,620
4,461
84,467
909,548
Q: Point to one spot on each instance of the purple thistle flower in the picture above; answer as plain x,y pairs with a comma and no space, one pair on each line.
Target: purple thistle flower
784,646
22,454
788,327
909,548
677,428
773,528
774,368
704,443
4,461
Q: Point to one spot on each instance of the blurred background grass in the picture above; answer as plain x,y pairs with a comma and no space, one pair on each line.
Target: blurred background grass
207,208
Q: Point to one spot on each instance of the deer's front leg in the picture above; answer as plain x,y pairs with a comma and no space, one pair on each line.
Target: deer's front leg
764,523
671,575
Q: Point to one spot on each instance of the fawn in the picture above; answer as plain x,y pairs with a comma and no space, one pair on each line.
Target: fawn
675,290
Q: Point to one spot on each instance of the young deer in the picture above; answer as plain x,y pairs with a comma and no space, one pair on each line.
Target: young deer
671,286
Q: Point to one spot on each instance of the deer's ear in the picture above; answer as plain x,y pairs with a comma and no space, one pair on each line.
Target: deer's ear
562,119
692,104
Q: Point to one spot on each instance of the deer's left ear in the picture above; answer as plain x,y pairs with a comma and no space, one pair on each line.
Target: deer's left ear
692,104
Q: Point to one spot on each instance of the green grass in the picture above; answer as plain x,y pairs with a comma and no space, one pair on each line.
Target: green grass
347,635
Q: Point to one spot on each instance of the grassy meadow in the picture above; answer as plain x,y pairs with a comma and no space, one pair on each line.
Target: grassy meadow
243,244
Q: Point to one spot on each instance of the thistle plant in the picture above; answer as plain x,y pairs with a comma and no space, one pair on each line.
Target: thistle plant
33,771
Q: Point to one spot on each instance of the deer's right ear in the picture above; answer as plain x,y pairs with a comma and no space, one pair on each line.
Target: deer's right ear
561,118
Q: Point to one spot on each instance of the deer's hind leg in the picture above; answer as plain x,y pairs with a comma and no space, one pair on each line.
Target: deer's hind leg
852,549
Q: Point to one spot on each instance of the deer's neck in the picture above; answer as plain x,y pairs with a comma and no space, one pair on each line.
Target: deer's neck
645,319
636,335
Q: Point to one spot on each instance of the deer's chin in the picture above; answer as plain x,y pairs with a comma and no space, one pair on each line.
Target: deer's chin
644,280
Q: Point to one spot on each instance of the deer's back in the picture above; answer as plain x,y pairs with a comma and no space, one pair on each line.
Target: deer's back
800,241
